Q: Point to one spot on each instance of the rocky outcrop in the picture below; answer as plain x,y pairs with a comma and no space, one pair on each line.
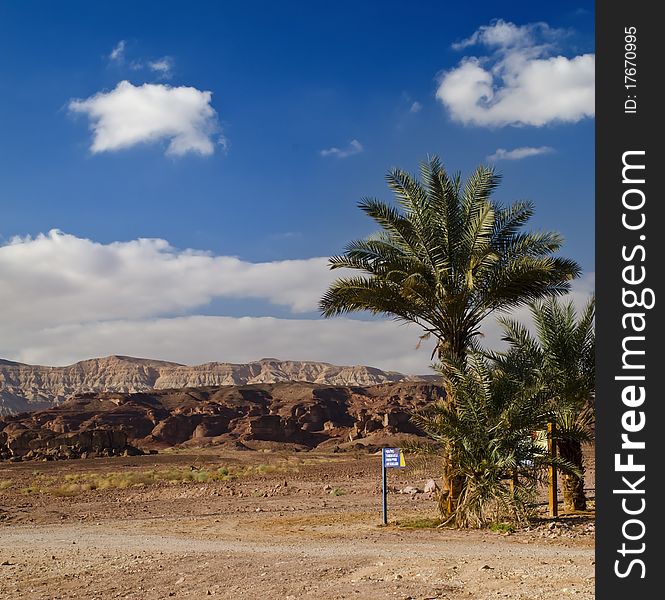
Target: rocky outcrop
304,414
22,443
26,387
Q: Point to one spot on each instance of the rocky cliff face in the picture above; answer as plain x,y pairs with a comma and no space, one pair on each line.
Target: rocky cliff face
301,414
27,388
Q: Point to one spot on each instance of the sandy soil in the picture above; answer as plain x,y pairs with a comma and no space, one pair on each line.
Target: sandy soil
309,529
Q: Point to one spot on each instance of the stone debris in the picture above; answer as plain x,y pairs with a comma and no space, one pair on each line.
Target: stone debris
430,487
570,528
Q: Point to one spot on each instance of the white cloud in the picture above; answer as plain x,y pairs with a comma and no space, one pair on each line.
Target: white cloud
519,153
118,53
162,66
199,339
416,107
354,147
66,298
60,278
504,34
522,82
129,115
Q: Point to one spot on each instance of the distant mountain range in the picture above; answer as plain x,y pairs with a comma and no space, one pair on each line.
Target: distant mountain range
31,387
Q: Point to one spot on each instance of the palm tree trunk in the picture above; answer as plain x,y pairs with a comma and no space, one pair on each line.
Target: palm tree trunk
574,498
455,483
452,488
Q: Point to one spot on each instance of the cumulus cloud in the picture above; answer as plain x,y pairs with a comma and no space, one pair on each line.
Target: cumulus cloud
66,298
68,279
118,53
519,153
522,82
354,147
416,107
129,115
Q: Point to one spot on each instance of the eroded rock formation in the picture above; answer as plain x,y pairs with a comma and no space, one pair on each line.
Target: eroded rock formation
304,414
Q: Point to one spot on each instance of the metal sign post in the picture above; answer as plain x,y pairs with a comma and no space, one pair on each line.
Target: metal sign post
551,447
391,458
384,487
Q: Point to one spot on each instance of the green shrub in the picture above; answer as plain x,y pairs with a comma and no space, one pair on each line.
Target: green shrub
502,528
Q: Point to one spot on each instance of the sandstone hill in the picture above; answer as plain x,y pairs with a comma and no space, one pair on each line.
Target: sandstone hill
28,387
303,415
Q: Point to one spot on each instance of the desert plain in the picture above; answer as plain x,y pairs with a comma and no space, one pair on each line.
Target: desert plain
199,523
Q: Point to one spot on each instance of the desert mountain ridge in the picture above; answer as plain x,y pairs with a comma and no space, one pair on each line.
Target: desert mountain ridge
25,387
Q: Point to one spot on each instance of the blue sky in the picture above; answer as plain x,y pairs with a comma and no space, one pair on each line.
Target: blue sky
248,132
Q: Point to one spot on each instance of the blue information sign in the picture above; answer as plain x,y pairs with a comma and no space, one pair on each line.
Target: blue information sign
393,458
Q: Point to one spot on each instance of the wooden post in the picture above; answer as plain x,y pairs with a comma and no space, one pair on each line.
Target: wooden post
551,448
514,482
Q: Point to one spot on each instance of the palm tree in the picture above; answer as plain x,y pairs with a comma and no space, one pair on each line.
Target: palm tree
562,358
448,258
445,258
487,434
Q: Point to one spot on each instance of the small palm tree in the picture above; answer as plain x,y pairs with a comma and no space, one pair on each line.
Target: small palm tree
487,434
562,358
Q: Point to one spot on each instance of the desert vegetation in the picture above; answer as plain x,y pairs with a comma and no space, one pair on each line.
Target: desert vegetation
76,483
560,360
446,257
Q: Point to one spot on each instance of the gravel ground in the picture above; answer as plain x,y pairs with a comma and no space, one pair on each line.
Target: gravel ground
309,527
